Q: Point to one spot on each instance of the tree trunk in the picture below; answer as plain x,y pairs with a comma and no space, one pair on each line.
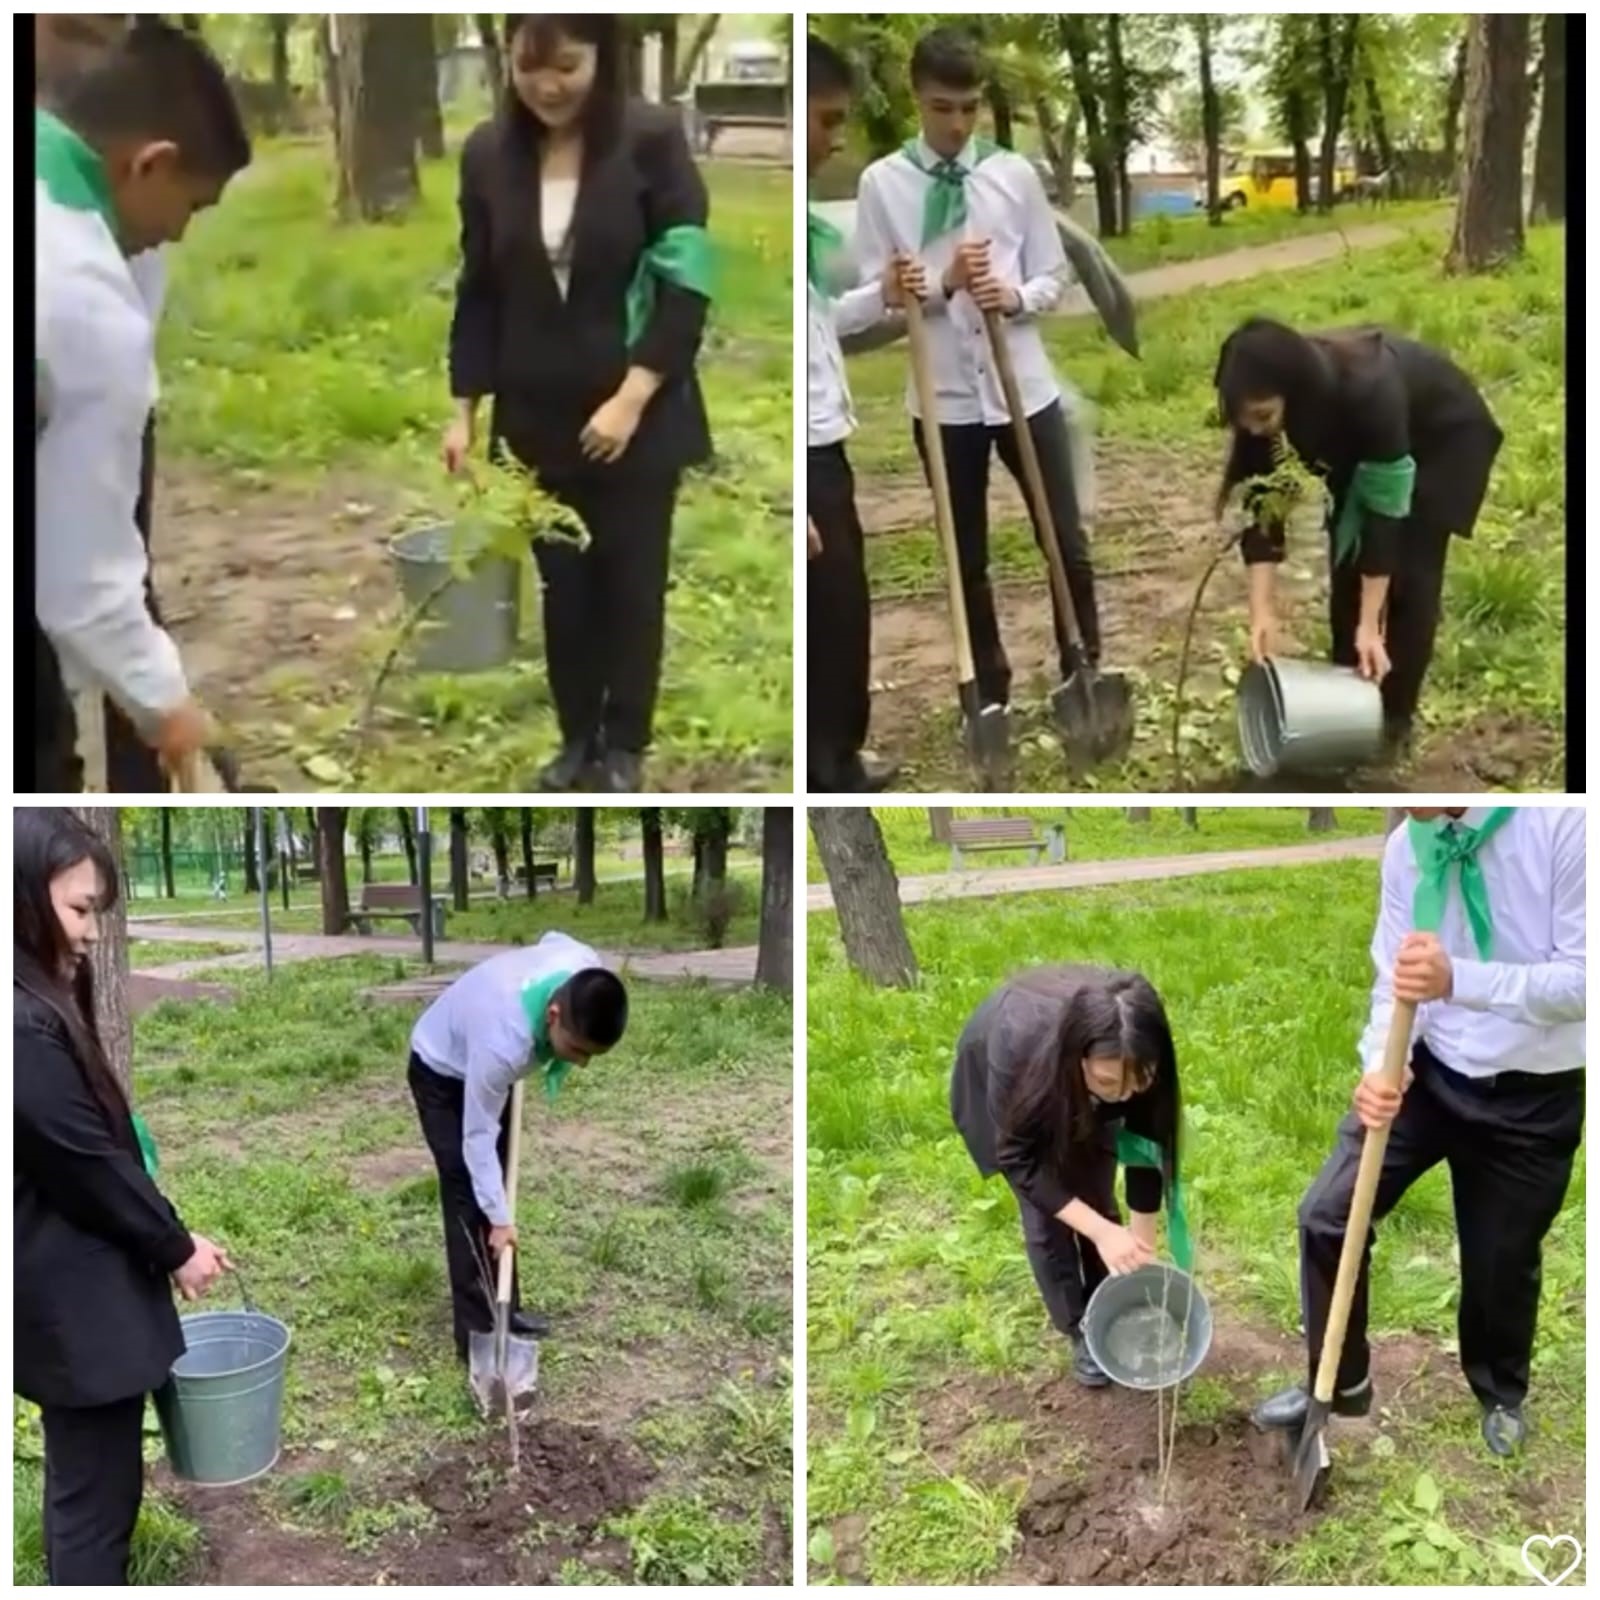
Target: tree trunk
655,876
365,841
1321,819
583,877
493,56
500,843
376,126
1000,111
1488,229
1376,120
282,90
527,853
1210,122
1454,95
331,870
1337,58
1138,813
108,957
1298,116
1550,149
939,820
1393,816
408,839
686,68
166,853
667,33
633,59
460,887
866,894
422,60
252,867
1119,122
1075,37
716,861
1191,816
1060,141
775,958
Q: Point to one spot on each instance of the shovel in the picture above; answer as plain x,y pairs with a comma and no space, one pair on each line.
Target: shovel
503,1367
988,731
1093,710
1309,1452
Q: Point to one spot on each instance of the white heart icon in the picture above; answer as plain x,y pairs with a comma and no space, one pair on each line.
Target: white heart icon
1550,1544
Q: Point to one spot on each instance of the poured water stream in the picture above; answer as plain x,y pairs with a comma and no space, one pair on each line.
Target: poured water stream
1146,1343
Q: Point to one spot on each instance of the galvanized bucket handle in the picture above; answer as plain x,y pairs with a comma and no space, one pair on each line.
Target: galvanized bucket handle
244,1290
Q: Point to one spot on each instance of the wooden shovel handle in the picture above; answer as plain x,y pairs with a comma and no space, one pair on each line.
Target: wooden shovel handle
1396,1052
513,1163
939,481
1032,474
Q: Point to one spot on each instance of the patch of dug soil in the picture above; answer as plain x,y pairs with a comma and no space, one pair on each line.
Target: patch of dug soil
146,990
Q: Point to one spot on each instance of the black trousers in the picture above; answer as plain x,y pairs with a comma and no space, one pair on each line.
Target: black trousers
1066,1267
1415,594
439,1108
1509,1143
966,451
605,607
838,620
93,1484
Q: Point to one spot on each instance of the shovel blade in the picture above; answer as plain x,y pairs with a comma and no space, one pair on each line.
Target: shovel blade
1094,712
988,731
1310,1463
493,1377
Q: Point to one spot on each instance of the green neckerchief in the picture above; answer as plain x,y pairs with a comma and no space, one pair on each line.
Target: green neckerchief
1444,843
536,998
944,210
682,255
1380,486
71,172
823,243
147,1144
1134,1150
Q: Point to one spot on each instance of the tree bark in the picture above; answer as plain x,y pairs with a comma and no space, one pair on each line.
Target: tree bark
527,852
460,886
939,820
719,827
1119,124
1191,816
331,870
364,839
1550,148
866,894
775,957
655,876
376,125
282,91
1138,814
166,853
583,876
1337,58
500,843
108,957
422,60
1321,819
1060,141
408,841
704,33
667,32
1076,40
252,867
1376,119
1488,228
493,56
1454,96
1000,111
1210,122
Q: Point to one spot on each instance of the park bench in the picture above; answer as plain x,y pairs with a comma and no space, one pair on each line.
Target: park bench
545,874
395,901
737,105
974,834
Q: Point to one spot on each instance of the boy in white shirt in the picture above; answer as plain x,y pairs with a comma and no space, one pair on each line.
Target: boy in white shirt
978,220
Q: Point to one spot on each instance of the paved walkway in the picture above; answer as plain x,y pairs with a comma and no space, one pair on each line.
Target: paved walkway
1099,874
714,966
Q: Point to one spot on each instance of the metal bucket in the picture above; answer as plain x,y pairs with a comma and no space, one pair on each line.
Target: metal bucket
1307,716
221,1409
472,623
1148,1329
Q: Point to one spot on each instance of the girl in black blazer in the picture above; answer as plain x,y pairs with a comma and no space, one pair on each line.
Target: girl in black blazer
579,314
1050,1070
96,1246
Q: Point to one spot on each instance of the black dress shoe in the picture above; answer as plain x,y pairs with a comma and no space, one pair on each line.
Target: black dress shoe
622,772
569,770
529,1324
1288,1408
1504,1431
865,774
1085,1368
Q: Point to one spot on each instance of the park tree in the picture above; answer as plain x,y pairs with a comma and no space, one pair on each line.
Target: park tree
1205,31
866,894
108,956
1488,226
423,61
1321,819
583,875
1138,813
1550,146
168,887
460,865
1291,77
366,821
494,59
331,872
1078,41
252,866
775,956
1336,54
655,878
525,819
939,820
371,67
408,841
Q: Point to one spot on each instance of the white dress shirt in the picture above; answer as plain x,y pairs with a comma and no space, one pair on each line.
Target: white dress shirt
830,418
1523,1010
1007,205
478,1031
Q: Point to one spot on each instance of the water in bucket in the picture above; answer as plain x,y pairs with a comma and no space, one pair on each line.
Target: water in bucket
1147,1344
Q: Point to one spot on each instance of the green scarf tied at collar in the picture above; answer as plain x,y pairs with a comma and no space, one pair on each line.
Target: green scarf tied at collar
681,256
536,998
824,244
147,1144
1440,845
1384,487
1133,1150
945,208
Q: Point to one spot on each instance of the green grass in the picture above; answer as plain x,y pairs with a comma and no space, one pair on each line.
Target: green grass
1103,833
917,1280
147,953
286,1132
1500,659
294,348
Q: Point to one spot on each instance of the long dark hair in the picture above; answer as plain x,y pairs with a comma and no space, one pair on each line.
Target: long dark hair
602,111
1119,1016
45,843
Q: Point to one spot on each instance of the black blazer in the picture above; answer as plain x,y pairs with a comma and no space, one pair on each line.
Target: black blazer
1383,396
549,363
93,1238
1009,1029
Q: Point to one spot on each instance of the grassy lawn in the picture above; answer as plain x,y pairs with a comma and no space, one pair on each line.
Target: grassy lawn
1103,833
655,1218
946,1441
1493,707
147,953
303,397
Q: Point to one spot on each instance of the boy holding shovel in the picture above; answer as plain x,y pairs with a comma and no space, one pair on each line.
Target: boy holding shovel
977,219
547,1008
1481,926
